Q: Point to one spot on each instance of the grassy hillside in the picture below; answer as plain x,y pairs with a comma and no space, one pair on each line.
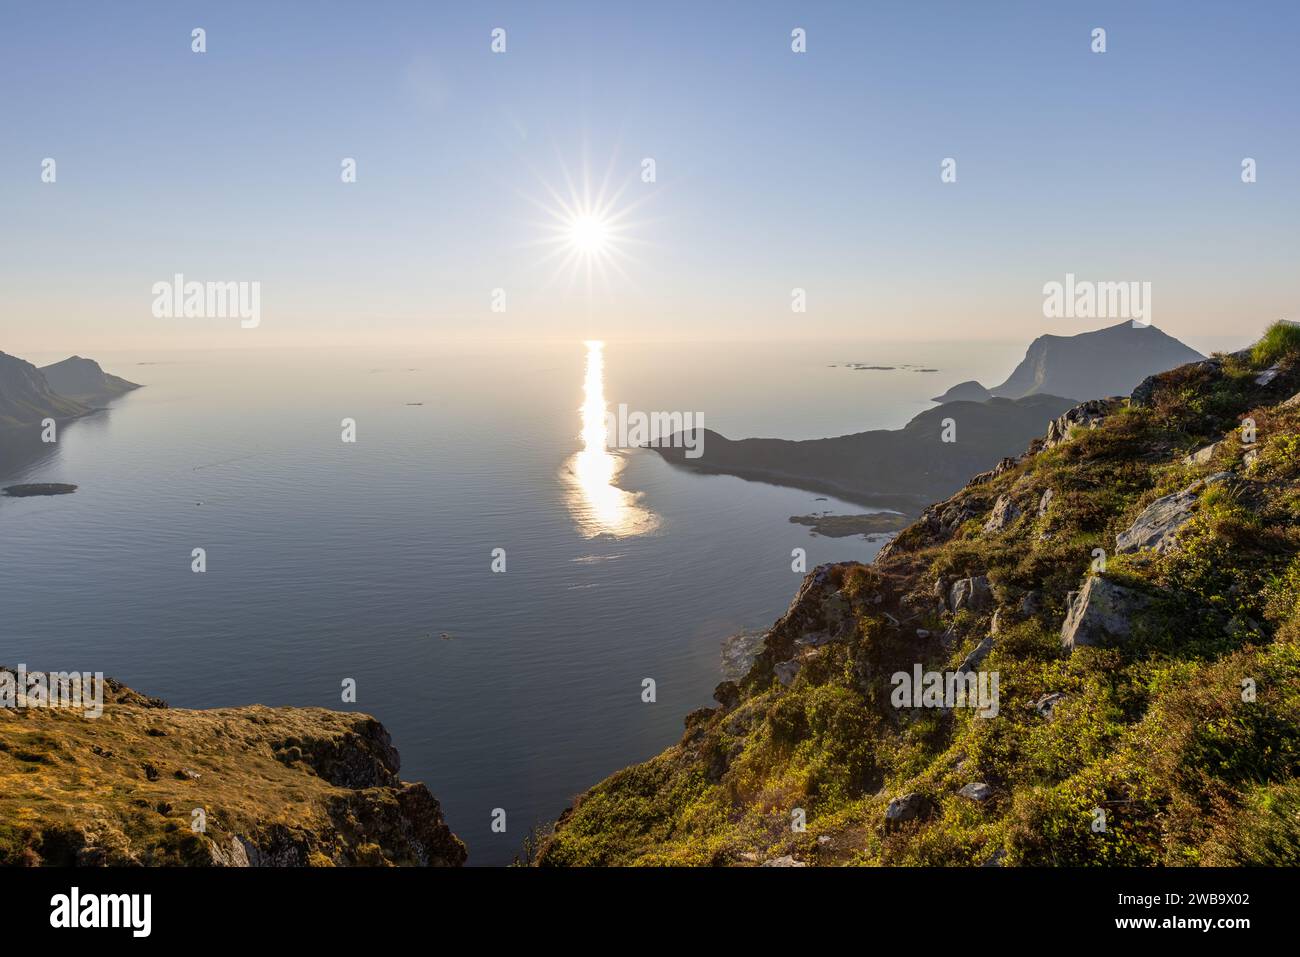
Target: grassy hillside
1154,725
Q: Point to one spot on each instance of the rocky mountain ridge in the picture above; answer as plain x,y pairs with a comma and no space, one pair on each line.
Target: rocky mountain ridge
26,397
1110,361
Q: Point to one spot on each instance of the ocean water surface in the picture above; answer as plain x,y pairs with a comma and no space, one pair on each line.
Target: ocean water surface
329,560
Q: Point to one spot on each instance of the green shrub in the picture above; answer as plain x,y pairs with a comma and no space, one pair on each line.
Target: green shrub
1279,340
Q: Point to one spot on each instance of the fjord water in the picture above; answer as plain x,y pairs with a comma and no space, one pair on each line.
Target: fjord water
328,561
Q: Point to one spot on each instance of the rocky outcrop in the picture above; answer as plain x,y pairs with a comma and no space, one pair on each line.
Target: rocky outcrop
818,615
1005,465
251,786
1085,415
739,651
1144,394
1158,524
1004,513
1268,375
1045,502
973,593
1202,456
976,657
1102,612
26,397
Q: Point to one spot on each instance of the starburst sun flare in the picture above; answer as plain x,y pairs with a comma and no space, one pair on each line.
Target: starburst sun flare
588,229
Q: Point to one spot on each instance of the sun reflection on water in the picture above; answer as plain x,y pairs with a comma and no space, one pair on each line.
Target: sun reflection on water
598,505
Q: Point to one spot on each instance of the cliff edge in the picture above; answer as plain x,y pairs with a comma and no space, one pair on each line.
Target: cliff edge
146,784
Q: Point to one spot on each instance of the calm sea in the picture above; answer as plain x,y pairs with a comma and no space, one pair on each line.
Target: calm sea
328,560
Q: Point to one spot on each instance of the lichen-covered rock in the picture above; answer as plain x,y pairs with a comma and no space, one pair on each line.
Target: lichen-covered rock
1103,611
1004,513
1084,415
1045,502
976,791
1158,524
909,807
973,593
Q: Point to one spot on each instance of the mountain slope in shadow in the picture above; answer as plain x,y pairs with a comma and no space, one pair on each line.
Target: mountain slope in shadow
84,380
903,468
26,396
910,467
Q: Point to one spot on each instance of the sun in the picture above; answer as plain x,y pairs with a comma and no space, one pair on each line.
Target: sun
589,226
588,233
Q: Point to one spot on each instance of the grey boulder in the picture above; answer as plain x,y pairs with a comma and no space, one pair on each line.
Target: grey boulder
976,657
906,808
977,791
972,593
1004,513
1103,611
1201,456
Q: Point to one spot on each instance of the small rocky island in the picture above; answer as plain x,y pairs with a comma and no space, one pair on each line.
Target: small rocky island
39,488
842,526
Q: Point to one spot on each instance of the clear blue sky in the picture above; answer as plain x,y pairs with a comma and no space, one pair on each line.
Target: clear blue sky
775,170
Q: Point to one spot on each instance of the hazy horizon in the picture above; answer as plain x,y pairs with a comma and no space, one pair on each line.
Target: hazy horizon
773,171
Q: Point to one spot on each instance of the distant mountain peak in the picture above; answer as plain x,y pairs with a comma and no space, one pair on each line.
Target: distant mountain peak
968,391
85,379
26,397
1095,364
